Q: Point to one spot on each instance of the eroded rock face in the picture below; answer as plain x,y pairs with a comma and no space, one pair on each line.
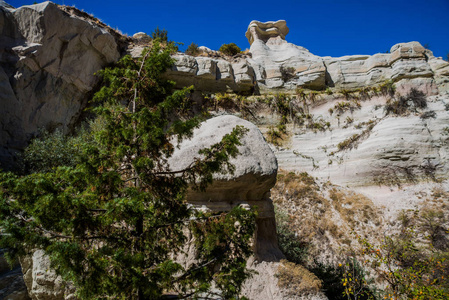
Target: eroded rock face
390,149
210,74
268,32
282,65
47,64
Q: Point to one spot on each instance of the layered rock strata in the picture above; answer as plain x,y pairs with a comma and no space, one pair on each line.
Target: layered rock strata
366,147
282,65
273,64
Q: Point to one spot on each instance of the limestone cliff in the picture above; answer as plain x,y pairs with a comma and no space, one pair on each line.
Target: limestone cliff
47,63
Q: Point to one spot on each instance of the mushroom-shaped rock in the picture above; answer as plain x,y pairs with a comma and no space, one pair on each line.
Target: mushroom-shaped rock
265,31
254,176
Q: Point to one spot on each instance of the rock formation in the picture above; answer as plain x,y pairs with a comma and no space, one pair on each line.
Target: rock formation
254,176
47,64
283,65
389,150
270,33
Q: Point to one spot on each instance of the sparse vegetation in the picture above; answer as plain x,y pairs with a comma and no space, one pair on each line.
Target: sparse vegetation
160,35
349,143
387,88
192,49
343,106
230,49
428,114
413,101
304,217
355,139
296,279
287,73
413,264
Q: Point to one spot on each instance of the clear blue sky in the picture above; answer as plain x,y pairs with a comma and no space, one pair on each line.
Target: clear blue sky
325,27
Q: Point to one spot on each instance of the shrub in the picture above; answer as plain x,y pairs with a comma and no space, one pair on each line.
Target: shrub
274,136
287,73
161,35
414,100
349,143
192,49
408,270
52,150
293,248
356,280
229,49
428,114
387,88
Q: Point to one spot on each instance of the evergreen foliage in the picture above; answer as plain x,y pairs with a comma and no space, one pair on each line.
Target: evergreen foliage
50,150
161,35
113,219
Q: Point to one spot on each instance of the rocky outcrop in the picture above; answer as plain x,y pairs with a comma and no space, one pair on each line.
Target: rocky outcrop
283,65
48,59
210,74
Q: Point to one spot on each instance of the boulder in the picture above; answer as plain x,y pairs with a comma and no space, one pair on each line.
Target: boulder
42,281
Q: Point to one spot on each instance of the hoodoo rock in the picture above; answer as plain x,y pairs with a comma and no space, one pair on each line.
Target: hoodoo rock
250,184
268,32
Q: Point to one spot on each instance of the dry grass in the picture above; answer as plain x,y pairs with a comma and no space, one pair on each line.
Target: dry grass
324,216
354,208
297,280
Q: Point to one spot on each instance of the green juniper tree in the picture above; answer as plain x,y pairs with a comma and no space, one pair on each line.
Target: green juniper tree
113,222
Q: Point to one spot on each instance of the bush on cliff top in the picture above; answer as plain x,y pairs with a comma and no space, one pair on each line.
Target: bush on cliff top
229,49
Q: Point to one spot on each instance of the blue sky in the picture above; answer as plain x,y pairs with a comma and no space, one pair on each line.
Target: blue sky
325,27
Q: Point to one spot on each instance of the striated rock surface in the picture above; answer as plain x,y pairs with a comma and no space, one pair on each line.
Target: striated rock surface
47,63
389,149
283,65
209,74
